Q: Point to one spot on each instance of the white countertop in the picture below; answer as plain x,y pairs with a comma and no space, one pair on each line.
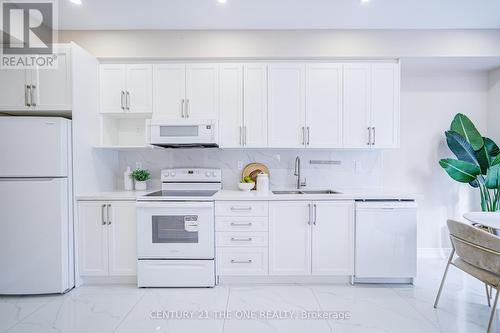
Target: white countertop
234,195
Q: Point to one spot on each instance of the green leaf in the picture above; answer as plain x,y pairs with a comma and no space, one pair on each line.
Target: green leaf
460,147
461,171
486,154
474,183
465,127
496,160
491,147
492,180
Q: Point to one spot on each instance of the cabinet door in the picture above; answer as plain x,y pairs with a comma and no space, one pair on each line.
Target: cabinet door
112,88
333,238
169,91
122,238
385,105
202,91
255,105
231,105
356,105
52,87
92,238
14,94
286,105
289,238
139,82
324,105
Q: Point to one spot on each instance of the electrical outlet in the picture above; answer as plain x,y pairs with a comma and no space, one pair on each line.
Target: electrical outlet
240,165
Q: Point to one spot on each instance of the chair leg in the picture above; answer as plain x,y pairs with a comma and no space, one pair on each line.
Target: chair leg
493,311
488,295
444,278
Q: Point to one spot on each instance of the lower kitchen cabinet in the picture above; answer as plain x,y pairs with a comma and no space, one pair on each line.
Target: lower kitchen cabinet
311,238
107,238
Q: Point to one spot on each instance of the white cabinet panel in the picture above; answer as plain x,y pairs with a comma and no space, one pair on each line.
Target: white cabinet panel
202,91
251,223
122,238
255,105
231,105
169,91
13,90
356,105
289,238
324,105
385,85
139,90
112,83
92,238
241,208
286,112
333,238
242,261
241,239
52,87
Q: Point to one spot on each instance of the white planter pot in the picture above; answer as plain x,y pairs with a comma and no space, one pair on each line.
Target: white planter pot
141,186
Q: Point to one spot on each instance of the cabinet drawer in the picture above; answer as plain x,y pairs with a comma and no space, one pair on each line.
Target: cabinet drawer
238,223
242,261
242,239
241,208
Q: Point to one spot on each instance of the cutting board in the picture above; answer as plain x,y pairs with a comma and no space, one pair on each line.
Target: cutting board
252,170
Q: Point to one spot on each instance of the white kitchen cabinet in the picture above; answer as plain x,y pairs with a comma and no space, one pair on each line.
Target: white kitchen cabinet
333,238
126,88
202,91
107,238
169,91
324,105
371,105
286,105
243,105
311,238
38,89
289,238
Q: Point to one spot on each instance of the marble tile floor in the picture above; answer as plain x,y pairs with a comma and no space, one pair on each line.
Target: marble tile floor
259,309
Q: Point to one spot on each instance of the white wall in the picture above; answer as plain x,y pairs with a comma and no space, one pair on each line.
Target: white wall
429,101
494,106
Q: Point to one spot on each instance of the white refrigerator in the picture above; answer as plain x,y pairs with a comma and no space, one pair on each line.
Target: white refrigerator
36,206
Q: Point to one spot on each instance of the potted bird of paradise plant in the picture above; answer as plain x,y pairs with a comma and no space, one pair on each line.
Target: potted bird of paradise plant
477,161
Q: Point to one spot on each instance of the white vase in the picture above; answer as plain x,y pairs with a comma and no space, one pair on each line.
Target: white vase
141,186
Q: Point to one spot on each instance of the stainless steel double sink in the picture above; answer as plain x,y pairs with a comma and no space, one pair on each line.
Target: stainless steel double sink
307,192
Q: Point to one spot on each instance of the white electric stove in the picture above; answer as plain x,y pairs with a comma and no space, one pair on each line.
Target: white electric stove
175,230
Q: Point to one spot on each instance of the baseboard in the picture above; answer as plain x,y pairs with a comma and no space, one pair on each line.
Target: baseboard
100,280
284,279
433,253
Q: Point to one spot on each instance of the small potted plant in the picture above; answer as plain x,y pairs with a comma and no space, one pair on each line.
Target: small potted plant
140,177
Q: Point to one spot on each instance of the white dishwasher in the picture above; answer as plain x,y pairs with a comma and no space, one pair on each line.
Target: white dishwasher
386,241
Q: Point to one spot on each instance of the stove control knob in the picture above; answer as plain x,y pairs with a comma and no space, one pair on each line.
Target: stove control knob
167,174
214,173
207,173
172,174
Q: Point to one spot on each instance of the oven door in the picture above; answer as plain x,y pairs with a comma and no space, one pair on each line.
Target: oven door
175,230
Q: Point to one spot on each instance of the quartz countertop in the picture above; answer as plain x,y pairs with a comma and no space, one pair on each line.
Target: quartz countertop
112,195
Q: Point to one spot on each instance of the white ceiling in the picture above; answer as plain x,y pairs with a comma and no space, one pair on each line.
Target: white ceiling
279,14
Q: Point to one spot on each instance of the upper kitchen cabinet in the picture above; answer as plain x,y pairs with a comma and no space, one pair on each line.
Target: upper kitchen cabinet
286,103
324,105
126,88
243,105
38,89
371,105
186,91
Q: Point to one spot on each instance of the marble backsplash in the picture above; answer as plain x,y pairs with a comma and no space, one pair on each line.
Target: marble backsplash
357,169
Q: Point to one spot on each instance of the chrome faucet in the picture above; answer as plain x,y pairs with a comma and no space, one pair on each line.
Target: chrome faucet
297,173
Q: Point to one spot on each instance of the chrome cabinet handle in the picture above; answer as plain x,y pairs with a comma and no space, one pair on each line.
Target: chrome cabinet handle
244,135
373,142
103,220
109,215
234,261
235,224
314,214
233,239
127,100
187,108
26,95
241,135
121,100
309,215
308,135
182,108
303,135
33,95
241,208
369,136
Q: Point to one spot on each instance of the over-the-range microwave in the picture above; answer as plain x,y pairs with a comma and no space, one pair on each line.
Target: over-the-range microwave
183,133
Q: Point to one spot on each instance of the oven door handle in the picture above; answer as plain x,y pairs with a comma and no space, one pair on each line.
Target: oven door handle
176,205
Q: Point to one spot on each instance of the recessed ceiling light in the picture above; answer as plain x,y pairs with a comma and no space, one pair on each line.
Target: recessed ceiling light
221,1
365,1
76,2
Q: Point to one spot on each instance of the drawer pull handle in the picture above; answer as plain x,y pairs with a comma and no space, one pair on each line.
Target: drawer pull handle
249,261
249,224
233,239
241,208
